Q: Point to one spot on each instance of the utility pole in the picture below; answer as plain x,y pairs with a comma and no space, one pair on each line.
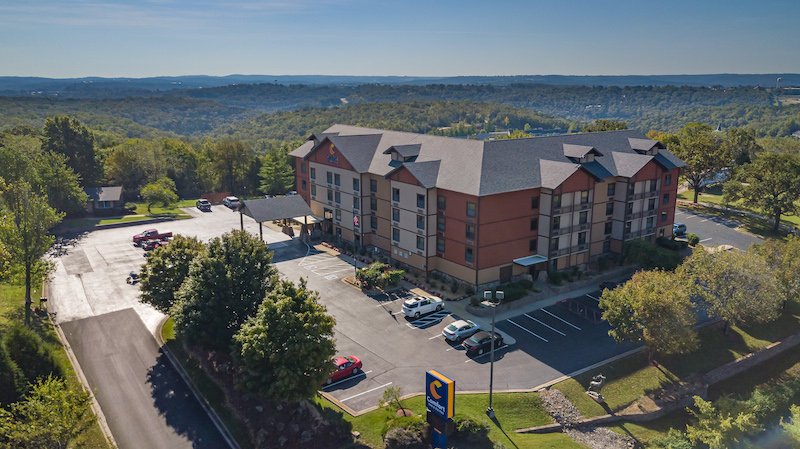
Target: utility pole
489,296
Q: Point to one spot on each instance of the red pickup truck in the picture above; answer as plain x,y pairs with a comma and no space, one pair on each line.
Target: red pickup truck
150,234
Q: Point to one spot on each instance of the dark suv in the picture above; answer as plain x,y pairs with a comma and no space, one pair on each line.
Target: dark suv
204,205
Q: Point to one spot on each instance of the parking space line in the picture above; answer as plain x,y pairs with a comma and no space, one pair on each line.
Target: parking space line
485,353
705,240
362,373
397,313
435,337
427,321
596,299
365,392
560,319
704,220
460,347
545,325
528,331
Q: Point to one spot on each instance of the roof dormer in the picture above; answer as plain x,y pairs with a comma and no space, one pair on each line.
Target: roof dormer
580,154
404,153
645,146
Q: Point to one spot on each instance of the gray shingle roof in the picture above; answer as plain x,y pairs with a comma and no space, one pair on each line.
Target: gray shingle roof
277,208
105,193
488,167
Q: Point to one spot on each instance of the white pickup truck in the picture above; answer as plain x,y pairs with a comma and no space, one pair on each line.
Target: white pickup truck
420,305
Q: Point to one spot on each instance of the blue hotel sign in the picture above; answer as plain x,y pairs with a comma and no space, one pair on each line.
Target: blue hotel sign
440,394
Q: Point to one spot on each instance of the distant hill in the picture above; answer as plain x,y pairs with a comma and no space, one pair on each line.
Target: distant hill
97,87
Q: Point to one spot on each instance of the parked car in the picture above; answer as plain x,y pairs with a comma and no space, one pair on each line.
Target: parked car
679,229
460,330
150,234
421,305
152,244
344,367
481,343
204,205
231,202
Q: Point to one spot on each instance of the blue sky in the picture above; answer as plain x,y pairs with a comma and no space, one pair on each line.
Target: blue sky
402,37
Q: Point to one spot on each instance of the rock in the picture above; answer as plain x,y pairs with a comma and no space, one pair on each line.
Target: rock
279,407
356,434
282,440
306,436
259,408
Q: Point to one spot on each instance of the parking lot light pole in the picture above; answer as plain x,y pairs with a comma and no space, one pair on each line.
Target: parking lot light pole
498,296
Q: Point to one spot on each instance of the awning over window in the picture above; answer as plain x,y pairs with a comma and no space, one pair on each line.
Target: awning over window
310,219
530,260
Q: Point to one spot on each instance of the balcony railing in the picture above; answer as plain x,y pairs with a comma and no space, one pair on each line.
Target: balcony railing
572,207
640,233
570,250
644,213
642,195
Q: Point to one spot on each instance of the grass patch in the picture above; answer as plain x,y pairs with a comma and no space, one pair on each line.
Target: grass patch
207,387
175,209
12,300
647,433
513,411
760,226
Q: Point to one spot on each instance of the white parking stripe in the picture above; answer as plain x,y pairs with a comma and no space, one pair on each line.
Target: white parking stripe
596,299
435,337
704,220
485,353
526,330
365,392
705,240
545,325
362,373
560,319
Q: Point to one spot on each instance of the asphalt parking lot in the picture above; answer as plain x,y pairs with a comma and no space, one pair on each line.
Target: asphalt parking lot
715,231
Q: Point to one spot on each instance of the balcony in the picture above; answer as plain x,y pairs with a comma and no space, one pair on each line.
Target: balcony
571,208
569,229
643,195
644,213
640,233
570,250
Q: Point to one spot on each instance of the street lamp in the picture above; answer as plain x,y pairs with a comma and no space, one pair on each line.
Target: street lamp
498,296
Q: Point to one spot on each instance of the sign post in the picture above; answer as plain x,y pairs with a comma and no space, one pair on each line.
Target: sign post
440,401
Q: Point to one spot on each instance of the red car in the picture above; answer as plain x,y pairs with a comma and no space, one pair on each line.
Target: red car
344,367
151,245
150,234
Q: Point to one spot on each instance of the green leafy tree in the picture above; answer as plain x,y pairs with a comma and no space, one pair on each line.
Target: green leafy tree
276,173
792,426
719,426
378,275
605,125
166,269
224,287
134,163
701,148
653,308
67,136
232,162
737,286
51,416
24,232
160,192
30,353
771,183
783,257
393,394
742,145
12,379
284,351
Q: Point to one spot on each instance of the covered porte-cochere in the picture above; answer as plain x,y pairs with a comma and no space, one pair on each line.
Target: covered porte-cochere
289,207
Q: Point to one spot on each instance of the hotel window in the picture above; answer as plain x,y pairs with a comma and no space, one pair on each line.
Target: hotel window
441,203
556,223
554,244
338,214
667,180
653,185
612,189
584,196
330,195
395,214
470,232
607,246
610,208
651,204
440,246
420,242
302,167
303,185
420,222
663,217
534,224
627,227
356,184
470,209
631,188
373,185
337,179
581,238
313,173
373,204
468,255
609,226
313,189
356,202
665,199
440,224
557,201
532,245
629,208
535,202
395,194
395,234
373,221
583,217
329,177
338,196
420,201
650,223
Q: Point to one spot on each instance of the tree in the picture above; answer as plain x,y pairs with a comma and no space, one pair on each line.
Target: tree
50,417
653,308
69,137
718,426
378,275
160,192
770,183
12,379
605,125
736,286
783,258
741,144
702,151
134,163
792,427
24,232
166,269
284,351
30,353
392,395
276,173
232,161
224,287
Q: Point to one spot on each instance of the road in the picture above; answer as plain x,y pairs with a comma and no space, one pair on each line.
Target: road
715,231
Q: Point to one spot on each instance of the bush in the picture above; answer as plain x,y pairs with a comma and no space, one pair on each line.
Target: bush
412,425
402,438
526,284
605,262
555,277
470,426
474,301
377,275
651,256
693,239
674,245
12,379
130,207
30,354
469,290
674,439
454,286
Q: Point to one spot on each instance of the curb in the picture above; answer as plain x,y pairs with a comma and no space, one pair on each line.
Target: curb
98,412
212,415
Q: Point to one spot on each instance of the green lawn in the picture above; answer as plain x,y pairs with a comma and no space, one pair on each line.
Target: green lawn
761,227
513,411
141,208
12,298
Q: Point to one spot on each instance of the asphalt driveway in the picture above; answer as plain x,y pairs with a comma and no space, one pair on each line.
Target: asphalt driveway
714,230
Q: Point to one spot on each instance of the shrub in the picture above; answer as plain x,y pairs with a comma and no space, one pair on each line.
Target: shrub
12,379
651,256
474,301
378,275
693,239
469,290
526,284
674,245
471,426
454,286
555,277
605,262
674,439
130,207
402,438
30,353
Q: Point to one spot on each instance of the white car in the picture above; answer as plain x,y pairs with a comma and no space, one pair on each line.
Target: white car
460,330
231,202
421,305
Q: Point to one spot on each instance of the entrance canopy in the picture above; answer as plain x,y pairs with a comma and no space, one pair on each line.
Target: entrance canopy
277,208
530,260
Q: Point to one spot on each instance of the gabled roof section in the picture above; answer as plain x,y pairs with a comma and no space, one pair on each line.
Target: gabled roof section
277,208
554,173
628,164
426,173
405,151
304,149
597,170
668,160
643,145
579,151
105,193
